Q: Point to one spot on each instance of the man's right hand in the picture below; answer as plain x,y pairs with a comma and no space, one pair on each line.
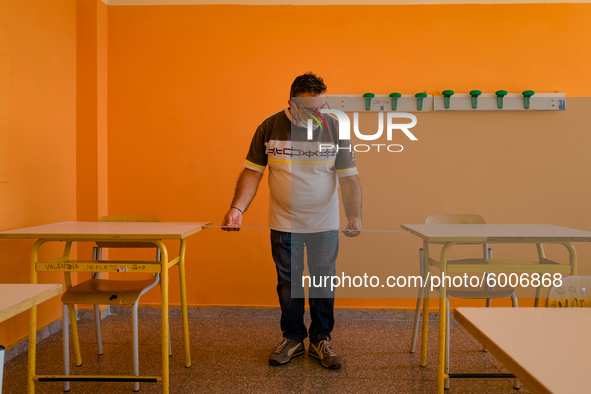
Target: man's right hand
246,188
232,220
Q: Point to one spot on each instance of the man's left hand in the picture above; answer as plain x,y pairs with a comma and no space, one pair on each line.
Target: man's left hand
354,224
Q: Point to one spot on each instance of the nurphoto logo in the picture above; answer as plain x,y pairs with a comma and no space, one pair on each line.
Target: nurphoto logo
345,130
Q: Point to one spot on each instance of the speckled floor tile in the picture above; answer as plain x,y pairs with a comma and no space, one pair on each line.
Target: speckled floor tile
255,362
117,329
226,332
230,349
386,364
208,312
373,334
384,314
301,384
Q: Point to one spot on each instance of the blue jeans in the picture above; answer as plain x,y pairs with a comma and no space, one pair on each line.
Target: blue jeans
288,253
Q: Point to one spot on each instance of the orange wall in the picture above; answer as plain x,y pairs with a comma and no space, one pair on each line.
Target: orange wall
187,86
150,110
39,39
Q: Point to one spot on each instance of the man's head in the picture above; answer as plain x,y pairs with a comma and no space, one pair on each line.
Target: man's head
310,91
308,83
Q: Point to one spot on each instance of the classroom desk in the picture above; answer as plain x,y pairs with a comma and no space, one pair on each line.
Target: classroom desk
454,234
68,232
547,348
17,298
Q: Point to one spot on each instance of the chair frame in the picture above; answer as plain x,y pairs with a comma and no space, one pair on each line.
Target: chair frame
575,292
425,267
97,256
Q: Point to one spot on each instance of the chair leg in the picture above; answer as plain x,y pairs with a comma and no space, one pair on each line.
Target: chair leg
66,345
96,255
514,304
136,359
415,326
97,324
514,301
1,365
447,325
425,330
488,305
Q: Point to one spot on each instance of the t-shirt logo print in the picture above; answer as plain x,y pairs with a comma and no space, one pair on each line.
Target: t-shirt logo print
293,152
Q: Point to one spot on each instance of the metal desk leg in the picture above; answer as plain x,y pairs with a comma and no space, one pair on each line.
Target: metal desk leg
184,310
33,320
442,321
165,328
426,293
72,312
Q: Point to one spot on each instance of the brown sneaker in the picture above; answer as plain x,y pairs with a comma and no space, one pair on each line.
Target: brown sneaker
324,352
285,350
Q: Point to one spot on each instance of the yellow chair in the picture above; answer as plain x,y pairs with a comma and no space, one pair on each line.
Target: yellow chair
575,292
98,291
484,292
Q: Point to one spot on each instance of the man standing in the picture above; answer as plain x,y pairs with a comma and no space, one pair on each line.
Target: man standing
304,173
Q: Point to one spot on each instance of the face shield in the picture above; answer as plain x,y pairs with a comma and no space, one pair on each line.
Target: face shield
304,108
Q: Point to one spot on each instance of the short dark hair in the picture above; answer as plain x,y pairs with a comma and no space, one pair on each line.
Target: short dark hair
307,83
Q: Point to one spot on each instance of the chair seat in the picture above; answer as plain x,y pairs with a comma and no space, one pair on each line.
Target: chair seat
106,292
480,293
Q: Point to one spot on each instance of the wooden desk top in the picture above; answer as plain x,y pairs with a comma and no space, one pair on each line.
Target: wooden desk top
81,231
17,298
547,348
483,233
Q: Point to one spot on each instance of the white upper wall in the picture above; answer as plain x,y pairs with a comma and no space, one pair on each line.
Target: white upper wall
332,2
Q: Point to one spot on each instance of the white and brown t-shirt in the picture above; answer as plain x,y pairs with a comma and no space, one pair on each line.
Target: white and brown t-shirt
302,176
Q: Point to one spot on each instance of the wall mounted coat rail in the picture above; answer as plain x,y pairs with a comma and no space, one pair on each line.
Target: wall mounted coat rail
369,102
501,100
448,100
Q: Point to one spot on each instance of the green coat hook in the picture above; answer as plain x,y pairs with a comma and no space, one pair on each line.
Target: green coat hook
368,97
500,94
420,97
446,95
475,94
395,97
526,95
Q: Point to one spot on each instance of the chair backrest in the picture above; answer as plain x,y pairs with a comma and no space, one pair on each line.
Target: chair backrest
124,218
442,218
575,292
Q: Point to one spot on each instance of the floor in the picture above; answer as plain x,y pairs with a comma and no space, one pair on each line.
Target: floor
230,349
